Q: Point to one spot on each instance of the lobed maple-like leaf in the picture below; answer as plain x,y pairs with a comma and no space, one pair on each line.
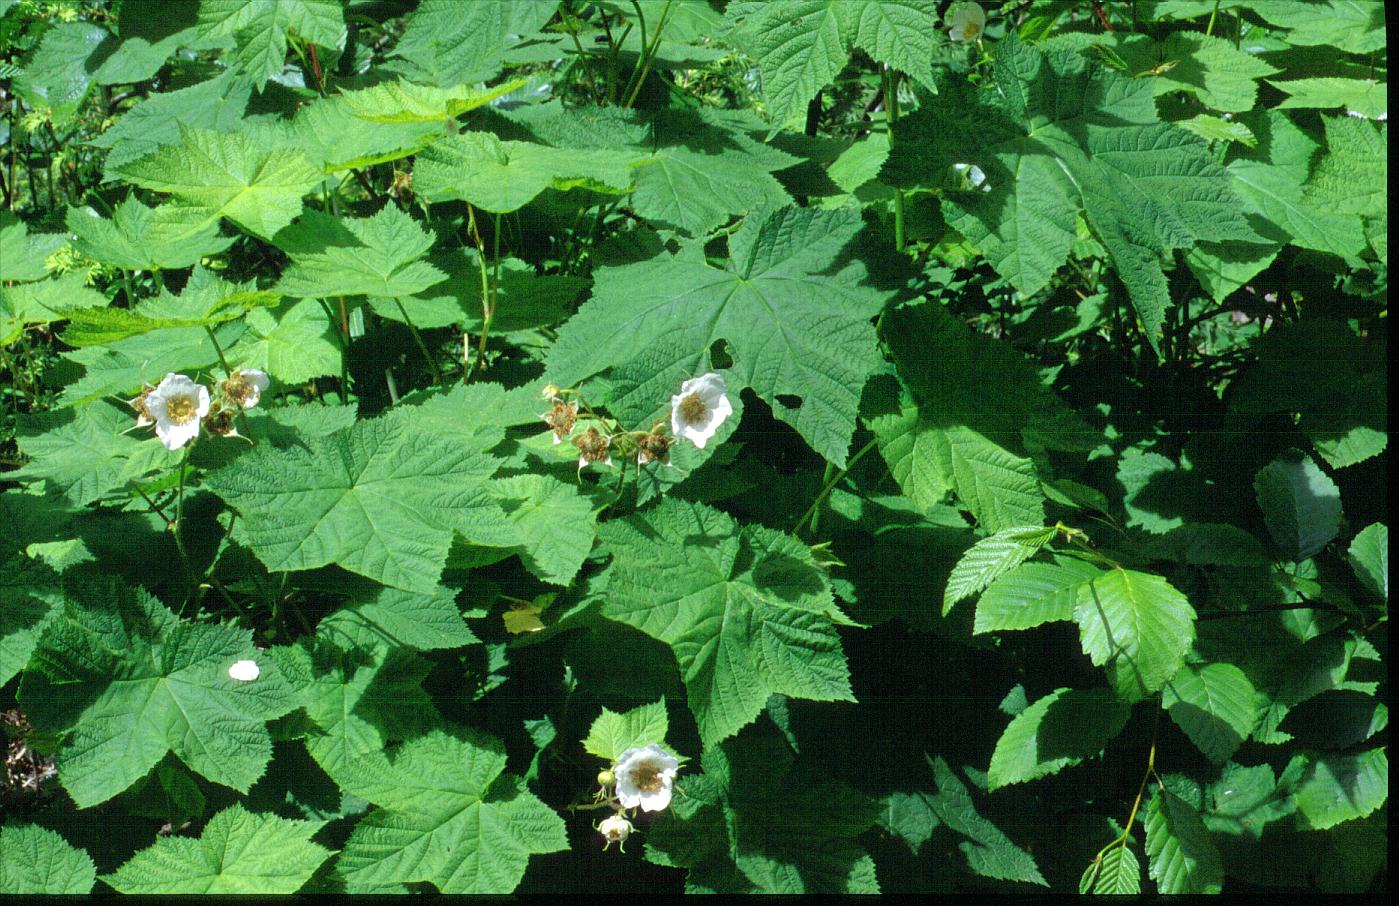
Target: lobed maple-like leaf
124,681
746,610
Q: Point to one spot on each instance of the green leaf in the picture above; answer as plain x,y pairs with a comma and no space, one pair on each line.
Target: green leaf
357,702
962,419
695,191
127,682
503,176
452,42
1181,858
332,136
405,102
1270,181
151,30
1118,873
1351,178
1138,626
34,859
43,302
257,186
1209,544
1064,728
909,816
802,44
991,558
395,617
1363,97
1214,705
989,852
795,317
29,601
746,611
1300,504
1058,136
1369,557
24,255
374,256
142,238
238,852
1215,128
1225,267
1244,800
1222,76
612,734
447,816
1353,26
554,521
122,366
293,343
206,301
378,499
756,822
217,104
259,30
59,73
85,453
1339,788
1033,594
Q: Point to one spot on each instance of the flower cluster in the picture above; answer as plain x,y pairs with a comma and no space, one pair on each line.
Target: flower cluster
696,413
177,406
642,777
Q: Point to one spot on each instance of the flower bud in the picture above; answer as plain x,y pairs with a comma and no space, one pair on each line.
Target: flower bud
606,778
615,829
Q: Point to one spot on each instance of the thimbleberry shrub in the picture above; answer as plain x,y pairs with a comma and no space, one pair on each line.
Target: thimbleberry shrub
763,446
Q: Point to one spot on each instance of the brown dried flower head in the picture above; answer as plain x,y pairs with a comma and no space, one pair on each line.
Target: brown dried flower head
561,419
220,421
138,404
592,447
654,447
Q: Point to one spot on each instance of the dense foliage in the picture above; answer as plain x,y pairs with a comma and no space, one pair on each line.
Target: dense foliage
828,445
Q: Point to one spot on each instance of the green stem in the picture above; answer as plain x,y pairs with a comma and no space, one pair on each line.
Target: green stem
648,53
223,362
422,346
1209,29
830,486
177,524
344,350
891,115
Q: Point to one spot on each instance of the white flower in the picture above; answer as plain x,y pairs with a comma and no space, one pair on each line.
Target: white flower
615,829
968,21
177,404
244,387
245,671
973,177
700,407
644,777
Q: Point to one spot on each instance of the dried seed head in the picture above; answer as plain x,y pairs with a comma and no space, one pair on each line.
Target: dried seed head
220,422
561,419
592,446
654,447
138,404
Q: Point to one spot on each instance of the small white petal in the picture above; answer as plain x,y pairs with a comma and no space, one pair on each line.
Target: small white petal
257,382
245,671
